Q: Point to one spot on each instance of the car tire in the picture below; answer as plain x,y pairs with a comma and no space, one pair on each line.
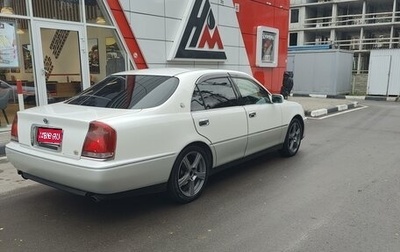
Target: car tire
189,174
293,138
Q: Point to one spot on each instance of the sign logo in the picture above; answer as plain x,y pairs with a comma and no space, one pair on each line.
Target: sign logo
199,37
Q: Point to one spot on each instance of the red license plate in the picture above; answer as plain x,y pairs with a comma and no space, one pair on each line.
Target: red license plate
49,136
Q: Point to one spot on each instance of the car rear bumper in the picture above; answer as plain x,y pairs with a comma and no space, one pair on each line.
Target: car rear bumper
83,177
96,196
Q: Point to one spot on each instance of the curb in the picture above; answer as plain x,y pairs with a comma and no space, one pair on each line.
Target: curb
326,111
353,97
338,108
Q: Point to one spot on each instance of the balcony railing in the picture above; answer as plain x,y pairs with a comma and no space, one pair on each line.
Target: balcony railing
353,20
365,44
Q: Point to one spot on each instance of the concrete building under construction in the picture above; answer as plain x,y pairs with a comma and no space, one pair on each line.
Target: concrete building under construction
357,25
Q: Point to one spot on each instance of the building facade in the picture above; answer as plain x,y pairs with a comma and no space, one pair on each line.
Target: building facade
52,49
357,25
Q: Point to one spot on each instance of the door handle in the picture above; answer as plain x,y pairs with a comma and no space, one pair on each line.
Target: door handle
44,71
252,114
204,122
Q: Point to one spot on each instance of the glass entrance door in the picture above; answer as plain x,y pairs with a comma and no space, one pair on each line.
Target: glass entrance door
61,61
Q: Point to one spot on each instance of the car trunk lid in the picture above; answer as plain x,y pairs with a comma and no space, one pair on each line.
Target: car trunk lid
61,128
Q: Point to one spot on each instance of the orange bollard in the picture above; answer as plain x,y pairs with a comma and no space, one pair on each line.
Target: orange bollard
20,95
19,87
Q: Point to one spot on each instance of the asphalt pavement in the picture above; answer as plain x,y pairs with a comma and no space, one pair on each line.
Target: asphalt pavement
339,193
314,106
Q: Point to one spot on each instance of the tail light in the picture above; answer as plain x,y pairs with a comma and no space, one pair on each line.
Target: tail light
14,129
100,141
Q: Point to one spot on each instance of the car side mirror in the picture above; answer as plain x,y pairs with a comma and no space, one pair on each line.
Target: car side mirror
277,98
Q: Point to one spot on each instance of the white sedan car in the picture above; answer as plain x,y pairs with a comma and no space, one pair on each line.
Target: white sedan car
154,129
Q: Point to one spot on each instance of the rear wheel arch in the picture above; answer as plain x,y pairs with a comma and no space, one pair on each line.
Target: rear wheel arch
190,172
206,148
202,145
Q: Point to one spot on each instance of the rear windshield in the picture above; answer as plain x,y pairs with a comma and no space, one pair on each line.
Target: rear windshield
128,92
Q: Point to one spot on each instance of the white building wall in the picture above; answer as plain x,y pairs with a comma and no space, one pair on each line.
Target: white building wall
323,72
156,23
384,74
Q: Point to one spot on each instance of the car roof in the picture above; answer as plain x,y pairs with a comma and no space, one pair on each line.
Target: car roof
176,71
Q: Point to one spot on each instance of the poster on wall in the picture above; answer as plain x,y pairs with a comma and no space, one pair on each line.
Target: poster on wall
26,53
8,45
94,60
267,47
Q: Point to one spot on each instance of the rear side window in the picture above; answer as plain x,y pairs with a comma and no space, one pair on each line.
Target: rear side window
128,92
214,93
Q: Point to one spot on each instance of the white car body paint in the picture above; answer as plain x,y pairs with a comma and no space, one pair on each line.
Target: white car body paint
148,140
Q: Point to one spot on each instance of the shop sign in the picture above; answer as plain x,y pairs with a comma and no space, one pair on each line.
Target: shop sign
8,45
199,37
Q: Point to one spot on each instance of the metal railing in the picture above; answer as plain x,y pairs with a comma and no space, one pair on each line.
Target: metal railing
353,20
364,44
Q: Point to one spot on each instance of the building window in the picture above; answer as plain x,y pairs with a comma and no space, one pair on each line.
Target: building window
60,47
293,39
294,16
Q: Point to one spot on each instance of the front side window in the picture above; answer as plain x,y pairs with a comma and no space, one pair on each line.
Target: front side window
251,92
128,92
214,93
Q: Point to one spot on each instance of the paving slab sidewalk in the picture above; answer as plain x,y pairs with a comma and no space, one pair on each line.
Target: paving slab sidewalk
314,107
4,139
